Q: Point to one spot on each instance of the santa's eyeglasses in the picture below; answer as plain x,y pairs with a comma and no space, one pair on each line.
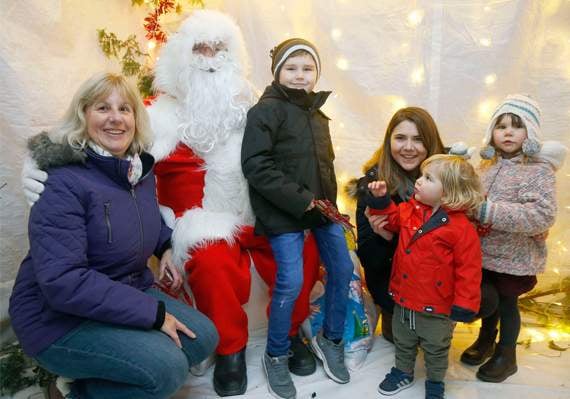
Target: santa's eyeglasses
209,49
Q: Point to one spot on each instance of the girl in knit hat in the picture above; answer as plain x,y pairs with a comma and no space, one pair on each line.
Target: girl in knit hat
517,172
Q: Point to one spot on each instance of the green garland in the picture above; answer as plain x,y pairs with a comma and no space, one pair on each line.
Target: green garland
17,371
129,53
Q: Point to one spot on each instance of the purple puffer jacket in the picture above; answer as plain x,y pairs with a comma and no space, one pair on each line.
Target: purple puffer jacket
91,234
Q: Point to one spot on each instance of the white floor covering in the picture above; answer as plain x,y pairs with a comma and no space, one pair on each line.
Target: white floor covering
543,373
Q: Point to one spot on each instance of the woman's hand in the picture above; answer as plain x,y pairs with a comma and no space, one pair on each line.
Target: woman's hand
377,223
168,270
311,206
171,326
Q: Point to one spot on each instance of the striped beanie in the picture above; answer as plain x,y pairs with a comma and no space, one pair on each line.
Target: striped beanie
283,50
524,107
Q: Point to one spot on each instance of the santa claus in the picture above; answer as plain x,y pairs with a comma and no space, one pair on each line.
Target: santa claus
198,122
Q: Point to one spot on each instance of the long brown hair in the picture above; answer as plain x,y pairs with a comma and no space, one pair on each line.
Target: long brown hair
388,168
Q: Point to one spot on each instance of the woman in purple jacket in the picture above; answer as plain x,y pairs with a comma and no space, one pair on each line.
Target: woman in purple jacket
83,304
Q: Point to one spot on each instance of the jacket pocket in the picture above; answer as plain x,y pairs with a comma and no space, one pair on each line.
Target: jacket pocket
107,206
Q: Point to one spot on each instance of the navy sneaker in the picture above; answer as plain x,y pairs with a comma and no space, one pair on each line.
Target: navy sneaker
396,380
435,389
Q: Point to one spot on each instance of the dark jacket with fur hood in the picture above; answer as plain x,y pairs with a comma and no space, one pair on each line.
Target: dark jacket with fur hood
374,252
91,234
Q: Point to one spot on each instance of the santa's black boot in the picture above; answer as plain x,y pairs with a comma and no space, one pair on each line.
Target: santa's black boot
501,365
302,362
481,349
230,374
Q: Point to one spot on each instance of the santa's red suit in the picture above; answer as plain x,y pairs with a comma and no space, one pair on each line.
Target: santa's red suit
204,196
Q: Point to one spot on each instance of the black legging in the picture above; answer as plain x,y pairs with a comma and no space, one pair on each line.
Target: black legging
495,308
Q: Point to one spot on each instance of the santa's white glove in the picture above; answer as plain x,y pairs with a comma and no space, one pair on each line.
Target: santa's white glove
33,180
460,148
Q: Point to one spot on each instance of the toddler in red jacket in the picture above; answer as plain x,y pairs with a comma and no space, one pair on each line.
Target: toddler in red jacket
436,272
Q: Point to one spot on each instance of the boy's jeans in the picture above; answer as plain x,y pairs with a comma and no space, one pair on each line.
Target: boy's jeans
110,361
288,253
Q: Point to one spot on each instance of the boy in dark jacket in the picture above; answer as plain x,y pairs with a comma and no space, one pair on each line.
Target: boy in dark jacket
287,158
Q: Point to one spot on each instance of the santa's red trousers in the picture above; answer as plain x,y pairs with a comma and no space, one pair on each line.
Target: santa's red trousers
220,279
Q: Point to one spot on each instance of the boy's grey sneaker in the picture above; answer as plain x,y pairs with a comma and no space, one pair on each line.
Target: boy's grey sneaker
279,380
332,356
396,380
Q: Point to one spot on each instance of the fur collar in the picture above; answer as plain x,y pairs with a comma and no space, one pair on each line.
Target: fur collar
48,154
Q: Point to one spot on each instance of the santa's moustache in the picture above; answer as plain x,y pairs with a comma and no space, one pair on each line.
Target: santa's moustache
216,102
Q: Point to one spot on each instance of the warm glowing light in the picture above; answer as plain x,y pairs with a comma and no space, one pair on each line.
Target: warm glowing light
487,9
398,103
282,7
554,334
342,64
415,18
486,108
343,177
336,34
341,125
485,42
535,335
417,75
341,205
151,44
555,270
490,79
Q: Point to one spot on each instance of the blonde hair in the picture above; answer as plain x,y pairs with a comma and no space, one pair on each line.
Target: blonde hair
462,188
388,168
73,126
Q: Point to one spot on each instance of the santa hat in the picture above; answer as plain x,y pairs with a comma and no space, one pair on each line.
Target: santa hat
528,110
283,50
202,26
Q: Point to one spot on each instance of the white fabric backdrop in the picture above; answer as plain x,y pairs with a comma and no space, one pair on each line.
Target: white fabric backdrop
455,58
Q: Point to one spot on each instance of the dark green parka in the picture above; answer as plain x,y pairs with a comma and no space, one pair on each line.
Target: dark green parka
287,158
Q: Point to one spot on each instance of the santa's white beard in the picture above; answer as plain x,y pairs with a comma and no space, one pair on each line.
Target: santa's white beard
216,103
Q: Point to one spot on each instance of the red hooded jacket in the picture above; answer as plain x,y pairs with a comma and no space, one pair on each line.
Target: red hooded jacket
437,263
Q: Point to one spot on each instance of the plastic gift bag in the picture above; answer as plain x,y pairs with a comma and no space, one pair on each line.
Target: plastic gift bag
358,335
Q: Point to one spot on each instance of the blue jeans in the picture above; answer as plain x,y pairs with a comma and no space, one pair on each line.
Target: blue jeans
110,361
288,252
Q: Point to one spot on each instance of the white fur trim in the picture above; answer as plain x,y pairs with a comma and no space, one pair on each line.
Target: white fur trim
225,186
552,152
200,227
167,215
164,125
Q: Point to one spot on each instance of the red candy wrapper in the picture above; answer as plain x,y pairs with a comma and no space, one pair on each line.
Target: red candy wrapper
328,209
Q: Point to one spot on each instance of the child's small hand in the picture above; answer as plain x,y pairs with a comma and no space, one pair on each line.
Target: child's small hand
311,206
378,188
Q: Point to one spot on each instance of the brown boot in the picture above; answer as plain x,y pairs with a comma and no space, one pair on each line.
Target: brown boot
481,349
387,326
501,365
